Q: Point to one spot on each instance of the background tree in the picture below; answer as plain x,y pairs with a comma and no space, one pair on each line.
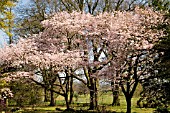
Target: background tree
160,4
157,84
30,16
7,17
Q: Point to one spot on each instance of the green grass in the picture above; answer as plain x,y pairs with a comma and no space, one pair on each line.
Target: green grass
83,104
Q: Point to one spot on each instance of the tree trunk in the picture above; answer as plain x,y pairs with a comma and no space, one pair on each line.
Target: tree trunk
116,100
67,90
45,95
128,96
10,29
92,100
96,93
52,100
5,102
96,100
93,95
67,102
115,92
71,90
128,102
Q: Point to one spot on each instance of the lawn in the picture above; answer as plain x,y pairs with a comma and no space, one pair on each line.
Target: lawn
82,103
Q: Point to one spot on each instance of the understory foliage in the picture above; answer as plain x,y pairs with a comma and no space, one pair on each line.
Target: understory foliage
25,92
76,40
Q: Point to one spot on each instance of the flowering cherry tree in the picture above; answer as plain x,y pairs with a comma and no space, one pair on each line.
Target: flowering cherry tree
30,55
78,40
118,34
135,57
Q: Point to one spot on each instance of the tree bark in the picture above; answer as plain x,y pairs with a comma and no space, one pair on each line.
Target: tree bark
45,95
91,100
96,93
93,95
128,102
10,29
115,93
71,90
116,100
52,100
67,102
67,89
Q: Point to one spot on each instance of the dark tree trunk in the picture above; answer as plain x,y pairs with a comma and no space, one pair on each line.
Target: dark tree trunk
116,100
128,102
45,95
5,102
130,83
52,100
115,93
92,100
96,100
10,29
67,102
96,94
128,96
67,90
93,95
71,90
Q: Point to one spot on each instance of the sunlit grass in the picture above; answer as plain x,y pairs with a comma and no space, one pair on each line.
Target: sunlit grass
83,104
105,100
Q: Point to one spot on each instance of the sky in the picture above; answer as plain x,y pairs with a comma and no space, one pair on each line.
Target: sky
3,36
